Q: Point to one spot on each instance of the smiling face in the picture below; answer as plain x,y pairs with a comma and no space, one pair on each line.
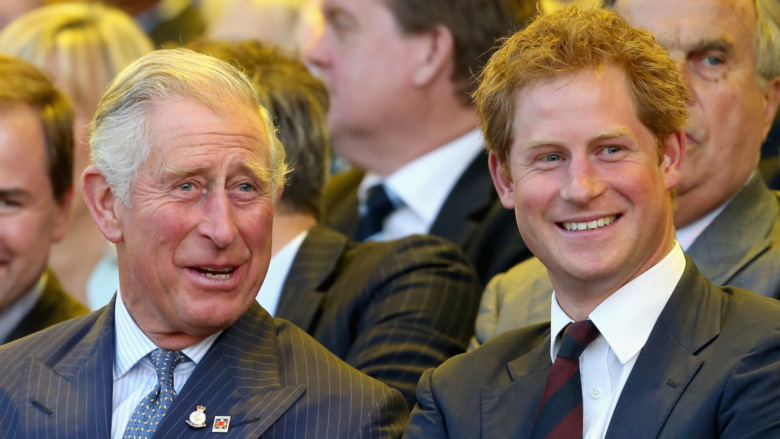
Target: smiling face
30,217
194,244
584,177
730,112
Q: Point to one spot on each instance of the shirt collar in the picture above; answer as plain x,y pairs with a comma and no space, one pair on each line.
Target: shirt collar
276,275
14,314
436,171
626,318
132,345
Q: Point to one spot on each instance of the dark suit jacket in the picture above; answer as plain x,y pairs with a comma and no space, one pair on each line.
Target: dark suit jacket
269,376
472,217
54,306
710,368
390,309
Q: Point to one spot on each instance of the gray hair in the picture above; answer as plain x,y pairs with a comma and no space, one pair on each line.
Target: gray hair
119,135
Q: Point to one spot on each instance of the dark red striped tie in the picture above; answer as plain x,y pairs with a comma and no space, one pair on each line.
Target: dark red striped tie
560,412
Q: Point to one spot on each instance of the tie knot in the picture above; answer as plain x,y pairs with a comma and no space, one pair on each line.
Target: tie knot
576,337
378,207
164,361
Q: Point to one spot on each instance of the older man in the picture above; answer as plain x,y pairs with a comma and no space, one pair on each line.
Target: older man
185,176
584,117
727,219
399,73
36,158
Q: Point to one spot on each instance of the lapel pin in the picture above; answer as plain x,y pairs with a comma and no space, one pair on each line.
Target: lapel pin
198,418
221,424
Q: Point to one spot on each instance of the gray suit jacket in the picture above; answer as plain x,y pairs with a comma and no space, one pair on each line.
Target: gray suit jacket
741,247
269,376
390,309
710,369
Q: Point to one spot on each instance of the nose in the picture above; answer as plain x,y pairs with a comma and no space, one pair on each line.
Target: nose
583,183
315,51
218,222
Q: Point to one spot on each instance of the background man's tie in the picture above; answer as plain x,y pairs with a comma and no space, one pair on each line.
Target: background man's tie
151,410
378,207
560,412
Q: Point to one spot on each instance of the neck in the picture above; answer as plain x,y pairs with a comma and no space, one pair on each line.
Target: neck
288,225
393,147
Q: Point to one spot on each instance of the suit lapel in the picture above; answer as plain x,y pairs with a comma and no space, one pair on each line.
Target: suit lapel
310,277
240,378
508,410
668,361
467,204
72,397
726,245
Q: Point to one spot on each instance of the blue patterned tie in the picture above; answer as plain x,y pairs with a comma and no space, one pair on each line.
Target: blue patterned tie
151,410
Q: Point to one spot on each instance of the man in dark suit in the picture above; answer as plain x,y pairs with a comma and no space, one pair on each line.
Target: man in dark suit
36,149
390,309
727,219
640,343
400,74
185,177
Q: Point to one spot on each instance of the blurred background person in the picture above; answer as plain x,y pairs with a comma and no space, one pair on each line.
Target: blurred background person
10,9
82,46
390,309
269,21
36,147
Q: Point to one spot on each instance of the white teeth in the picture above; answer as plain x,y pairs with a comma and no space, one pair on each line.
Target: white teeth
216,273
590,225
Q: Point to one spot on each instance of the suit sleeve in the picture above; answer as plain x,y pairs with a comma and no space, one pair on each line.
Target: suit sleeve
751,399
426,419
423,300
388,416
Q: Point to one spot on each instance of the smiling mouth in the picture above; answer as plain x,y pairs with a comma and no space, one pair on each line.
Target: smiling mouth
589,225
215,273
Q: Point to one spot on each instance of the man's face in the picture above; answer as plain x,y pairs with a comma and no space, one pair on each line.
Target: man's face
196,240
30,218
730,113
586,182
367,65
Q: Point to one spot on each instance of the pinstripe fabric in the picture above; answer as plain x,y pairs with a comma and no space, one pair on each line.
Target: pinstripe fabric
391,309
269,376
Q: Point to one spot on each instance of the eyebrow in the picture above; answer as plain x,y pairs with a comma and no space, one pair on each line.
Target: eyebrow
712,45
261,173
14,193
604,135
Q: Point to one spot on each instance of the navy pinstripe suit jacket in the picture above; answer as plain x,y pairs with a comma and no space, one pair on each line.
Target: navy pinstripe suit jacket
273,379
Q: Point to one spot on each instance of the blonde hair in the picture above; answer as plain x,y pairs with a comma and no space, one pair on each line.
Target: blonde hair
570,40
84,45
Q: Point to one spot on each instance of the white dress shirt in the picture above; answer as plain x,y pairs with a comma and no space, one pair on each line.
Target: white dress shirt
278,269
14,314
423,185
625,320
134,374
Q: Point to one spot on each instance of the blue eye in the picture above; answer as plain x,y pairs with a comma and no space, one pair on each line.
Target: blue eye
551,158
712,61
612,149
245,187
186,187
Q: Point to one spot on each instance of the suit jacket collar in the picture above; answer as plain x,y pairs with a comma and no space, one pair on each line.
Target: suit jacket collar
668,361
666,365
239,377
468,203
727,245
310,276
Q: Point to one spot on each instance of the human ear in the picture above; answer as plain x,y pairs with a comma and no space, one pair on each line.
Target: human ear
673,158
103,205
434,55
502,180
